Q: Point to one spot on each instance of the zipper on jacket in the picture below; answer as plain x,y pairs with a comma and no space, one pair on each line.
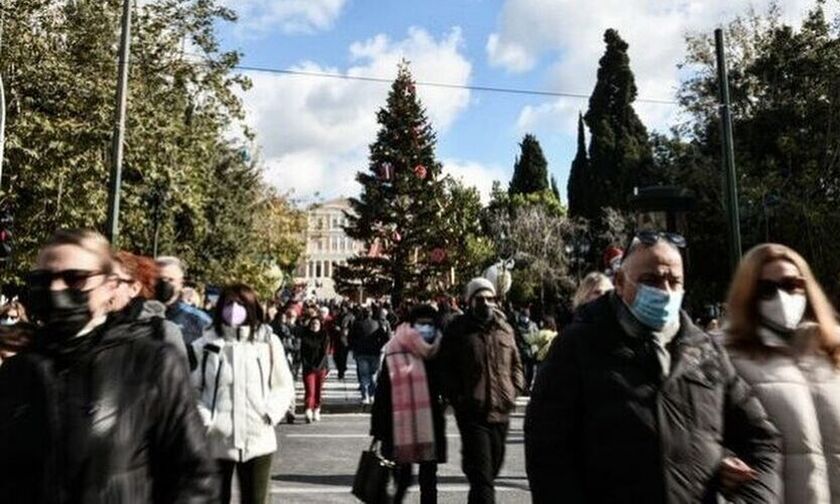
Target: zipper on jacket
262,377
216,388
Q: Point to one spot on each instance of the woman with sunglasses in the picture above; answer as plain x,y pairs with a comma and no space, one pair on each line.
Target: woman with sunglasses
245,388
95,411
784,341
134,298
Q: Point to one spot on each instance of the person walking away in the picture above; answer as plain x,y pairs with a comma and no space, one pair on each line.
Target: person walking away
407,412
783,337
481,375
341,343
314,348
367,337
92,411
526,330
635,404
136,278
593,286
540,342
188,318
286,329
244,387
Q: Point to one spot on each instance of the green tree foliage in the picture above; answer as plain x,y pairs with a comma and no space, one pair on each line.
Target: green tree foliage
580,180
530,173
620,156
403,200
58,61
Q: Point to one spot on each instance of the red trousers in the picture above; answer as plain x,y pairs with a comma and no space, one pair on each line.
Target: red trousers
313,382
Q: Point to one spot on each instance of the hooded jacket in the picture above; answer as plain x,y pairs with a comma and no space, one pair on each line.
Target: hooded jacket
800,388
605,425
245,388
108,417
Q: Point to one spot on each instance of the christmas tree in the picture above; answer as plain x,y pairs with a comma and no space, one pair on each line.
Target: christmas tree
398,213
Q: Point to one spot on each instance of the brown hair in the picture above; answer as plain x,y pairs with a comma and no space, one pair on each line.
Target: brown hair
247,297
742,305
86,239
14,306
141,269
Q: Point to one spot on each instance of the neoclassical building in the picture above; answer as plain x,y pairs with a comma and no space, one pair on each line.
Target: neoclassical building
326,247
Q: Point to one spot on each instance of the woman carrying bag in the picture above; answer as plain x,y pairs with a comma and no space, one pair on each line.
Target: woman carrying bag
407,413
245,387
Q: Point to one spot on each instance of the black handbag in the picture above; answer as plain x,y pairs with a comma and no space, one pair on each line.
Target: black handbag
374,481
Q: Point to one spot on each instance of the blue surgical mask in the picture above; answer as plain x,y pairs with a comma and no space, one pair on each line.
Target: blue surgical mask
656,308
427,332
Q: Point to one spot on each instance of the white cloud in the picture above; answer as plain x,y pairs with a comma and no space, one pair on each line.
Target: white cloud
572,36
314,132
476,175
290,16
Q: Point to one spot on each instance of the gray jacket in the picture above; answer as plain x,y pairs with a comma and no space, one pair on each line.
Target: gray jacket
171,331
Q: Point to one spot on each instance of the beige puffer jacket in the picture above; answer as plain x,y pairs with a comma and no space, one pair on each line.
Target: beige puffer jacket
800,389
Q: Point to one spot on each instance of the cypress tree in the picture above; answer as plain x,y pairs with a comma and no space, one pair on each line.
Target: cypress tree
530,173
554,189
578,187
620,155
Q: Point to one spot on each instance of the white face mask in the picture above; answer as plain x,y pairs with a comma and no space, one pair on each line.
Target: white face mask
784,311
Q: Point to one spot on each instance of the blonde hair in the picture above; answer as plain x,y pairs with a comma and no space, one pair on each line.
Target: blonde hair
589,283
86,239
742,305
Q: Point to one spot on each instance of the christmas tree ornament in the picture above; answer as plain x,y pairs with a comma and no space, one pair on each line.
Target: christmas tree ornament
438,255
420,171
386,171
396,236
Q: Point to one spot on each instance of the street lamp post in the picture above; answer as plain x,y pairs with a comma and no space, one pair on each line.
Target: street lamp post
112,227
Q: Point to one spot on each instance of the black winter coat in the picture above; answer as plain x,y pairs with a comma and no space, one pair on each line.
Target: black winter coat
382,414
314,347
603,427
109,417
367,337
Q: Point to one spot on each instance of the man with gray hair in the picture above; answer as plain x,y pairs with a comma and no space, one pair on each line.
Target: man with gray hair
190,319
482,375
636,404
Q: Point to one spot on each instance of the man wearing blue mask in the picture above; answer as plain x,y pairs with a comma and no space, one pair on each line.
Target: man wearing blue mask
636,404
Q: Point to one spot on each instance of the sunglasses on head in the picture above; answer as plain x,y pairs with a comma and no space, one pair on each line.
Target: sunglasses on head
73,278
767,289
651,238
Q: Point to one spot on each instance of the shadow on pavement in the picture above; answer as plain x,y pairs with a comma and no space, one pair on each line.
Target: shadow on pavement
346,480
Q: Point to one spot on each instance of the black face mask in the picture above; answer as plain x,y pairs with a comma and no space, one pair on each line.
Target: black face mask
164,292
64,312
483,312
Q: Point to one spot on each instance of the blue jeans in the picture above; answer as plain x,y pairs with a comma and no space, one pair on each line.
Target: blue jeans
366,367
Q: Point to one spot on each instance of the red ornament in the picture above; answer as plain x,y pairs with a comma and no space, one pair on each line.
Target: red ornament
396,236
438,255
420,171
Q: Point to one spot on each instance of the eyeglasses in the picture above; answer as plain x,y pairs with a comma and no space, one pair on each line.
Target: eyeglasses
486,299
73,278
767,289
651,238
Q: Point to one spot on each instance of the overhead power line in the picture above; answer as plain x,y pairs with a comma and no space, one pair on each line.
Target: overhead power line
491,89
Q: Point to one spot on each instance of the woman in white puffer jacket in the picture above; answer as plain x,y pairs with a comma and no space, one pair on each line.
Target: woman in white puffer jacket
245,388
783,338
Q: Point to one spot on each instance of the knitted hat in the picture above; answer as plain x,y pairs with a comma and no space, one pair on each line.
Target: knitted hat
612,254
476,285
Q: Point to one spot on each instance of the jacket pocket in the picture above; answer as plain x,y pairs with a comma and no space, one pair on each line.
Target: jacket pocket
705,394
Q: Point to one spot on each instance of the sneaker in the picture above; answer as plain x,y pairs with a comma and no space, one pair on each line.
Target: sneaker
308,416
317,415
365,401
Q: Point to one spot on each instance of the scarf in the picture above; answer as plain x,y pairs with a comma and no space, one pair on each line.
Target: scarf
414,434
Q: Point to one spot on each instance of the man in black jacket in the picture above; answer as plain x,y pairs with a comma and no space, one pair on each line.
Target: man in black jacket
635,404
97,410
367,337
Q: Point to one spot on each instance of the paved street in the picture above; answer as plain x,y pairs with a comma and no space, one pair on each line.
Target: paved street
316,463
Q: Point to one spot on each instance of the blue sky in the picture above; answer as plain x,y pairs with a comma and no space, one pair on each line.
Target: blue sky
312,133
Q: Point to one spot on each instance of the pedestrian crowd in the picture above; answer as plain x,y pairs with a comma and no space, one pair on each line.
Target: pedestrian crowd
120,384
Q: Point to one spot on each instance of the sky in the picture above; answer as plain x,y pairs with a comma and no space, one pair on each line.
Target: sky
313,133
